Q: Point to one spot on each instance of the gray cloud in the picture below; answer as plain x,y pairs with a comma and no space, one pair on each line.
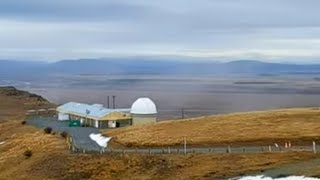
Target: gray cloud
274,30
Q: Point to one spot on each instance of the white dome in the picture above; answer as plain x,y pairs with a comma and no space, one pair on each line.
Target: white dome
143,106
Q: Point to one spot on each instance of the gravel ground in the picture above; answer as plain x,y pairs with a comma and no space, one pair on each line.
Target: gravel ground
80,135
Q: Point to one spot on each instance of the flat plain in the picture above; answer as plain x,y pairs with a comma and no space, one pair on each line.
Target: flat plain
197,95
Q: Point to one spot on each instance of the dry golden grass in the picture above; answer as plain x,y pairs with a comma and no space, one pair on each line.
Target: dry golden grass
51,159
175,167
297,125
19,138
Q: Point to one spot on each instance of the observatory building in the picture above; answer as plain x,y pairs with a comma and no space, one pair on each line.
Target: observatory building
94,115
142,111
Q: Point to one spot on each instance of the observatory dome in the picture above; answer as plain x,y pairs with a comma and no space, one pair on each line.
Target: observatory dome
143,106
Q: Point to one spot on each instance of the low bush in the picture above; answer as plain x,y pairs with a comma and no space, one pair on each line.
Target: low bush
64,134
47,130
27,153
23,122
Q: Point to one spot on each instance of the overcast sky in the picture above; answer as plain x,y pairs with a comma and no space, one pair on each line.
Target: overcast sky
268,30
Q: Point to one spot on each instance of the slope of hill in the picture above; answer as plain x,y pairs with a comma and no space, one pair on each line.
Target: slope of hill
15,103
269,127
52,160
17,138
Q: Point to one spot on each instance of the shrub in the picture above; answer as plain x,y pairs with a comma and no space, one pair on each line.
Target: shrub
47,130
23,122
64,134
27,153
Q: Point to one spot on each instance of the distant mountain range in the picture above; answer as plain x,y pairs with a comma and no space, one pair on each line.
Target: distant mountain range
136,66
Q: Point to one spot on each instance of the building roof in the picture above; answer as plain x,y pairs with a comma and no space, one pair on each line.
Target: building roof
91,111
143,106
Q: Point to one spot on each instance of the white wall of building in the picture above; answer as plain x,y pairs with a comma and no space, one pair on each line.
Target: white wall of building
63,117
112,124
81,120
96,123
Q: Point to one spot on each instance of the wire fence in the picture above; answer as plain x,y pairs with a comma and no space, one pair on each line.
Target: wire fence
199,150
184,113
275,148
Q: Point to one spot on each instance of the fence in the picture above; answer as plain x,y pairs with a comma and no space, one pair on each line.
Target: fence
200,150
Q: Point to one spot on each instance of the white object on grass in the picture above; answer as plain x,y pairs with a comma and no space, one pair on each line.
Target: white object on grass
2,143
100,140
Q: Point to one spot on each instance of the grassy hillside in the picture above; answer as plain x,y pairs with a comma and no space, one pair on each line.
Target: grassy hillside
296,125
15,103
18,138
52,160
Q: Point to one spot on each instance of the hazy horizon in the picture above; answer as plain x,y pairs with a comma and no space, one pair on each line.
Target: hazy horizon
165,59
267,30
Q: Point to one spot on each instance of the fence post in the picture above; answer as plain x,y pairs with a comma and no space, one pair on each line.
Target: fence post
149,151
169,150
270,149
314,147
244,149
229,149
185,145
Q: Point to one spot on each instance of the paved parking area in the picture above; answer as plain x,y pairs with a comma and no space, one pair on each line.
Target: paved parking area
80,135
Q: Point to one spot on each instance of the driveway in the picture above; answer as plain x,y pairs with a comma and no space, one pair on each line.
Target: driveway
80,135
